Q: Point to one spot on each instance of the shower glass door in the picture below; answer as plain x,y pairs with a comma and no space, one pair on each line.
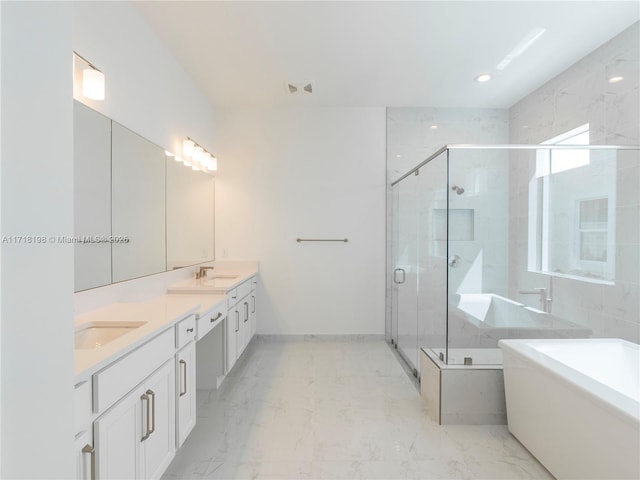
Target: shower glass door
405,267
432,255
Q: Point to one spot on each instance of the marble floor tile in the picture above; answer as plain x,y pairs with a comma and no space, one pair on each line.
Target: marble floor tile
326,408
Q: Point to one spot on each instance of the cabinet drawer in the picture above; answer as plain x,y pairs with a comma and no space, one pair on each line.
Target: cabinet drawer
232,298
186,331
207,321
82,406
115,381
245,288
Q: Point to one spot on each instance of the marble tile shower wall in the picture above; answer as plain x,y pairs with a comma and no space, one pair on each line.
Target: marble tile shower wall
579,95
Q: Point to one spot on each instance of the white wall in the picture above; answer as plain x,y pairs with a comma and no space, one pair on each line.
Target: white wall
148,92
36,279
581,94
314,173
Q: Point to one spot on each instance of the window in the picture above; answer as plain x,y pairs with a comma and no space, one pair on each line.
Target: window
572,209
593,219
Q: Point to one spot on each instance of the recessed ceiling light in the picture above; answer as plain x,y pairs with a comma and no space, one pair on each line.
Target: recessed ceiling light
616,79
433,127
482,78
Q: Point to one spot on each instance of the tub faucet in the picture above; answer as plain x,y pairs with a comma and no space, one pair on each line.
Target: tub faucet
202,272
545,300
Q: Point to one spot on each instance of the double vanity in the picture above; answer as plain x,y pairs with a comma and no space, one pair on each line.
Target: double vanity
137,366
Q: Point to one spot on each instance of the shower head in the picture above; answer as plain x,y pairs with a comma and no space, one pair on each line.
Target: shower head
457,189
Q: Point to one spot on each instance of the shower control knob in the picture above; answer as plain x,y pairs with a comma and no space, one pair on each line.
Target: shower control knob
453,261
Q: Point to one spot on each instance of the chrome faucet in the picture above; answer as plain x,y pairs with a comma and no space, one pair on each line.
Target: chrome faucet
202,273
545,300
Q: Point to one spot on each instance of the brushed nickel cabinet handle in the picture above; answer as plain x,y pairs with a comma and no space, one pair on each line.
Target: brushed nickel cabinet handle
216,317
152,394
91,451
190,330
145,398
183,364
237,320
246,311
253,304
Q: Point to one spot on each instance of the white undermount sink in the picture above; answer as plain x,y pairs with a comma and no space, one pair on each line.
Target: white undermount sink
96,334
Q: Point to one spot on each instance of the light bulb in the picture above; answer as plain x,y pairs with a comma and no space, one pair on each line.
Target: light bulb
187,147
179,159
213,164
93,84
197,153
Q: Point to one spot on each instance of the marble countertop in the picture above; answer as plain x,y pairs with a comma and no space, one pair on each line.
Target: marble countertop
158,315
206,302
224,281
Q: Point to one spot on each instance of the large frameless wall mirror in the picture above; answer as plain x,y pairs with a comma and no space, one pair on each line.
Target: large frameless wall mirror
159,214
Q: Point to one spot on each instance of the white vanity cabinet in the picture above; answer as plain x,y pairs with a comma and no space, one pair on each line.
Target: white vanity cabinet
240,325
253,312
185,392
135,438
185,363
85,455
83,445
232,332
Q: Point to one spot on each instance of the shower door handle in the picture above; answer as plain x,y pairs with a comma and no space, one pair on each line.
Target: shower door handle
395,275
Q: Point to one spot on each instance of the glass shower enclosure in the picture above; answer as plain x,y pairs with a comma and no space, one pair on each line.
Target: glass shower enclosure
513,241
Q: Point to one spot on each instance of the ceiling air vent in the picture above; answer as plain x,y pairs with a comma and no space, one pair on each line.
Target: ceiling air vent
294,88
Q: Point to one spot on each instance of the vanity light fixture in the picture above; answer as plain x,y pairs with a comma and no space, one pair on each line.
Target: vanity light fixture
198,152
187,147
93,82
196,157
483,77
212,166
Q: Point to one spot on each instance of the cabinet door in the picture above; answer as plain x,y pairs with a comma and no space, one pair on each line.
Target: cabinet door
159,448
85,456
233,327
253,315
245,313
117,438
185,392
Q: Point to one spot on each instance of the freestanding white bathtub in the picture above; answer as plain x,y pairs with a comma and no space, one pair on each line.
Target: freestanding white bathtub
575,404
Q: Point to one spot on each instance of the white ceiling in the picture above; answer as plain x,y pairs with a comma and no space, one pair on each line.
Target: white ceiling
390,53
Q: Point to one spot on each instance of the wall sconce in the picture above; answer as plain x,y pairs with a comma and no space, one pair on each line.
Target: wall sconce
93,81
197,157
